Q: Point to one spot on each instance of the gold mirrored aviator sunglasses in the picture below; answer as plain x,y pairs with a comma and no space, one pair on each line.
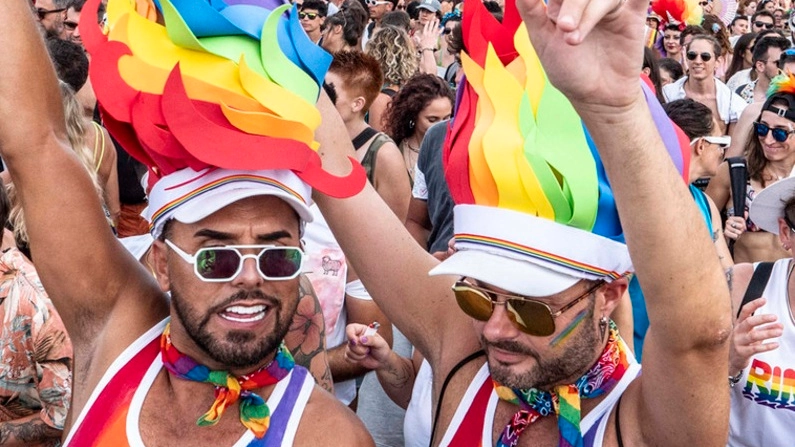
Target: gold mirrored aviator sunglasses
530,316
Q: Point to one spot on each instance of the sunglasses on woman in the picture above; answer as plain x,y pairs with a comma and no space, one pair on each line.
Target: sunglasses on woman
691,56
530,316
779,134
220,264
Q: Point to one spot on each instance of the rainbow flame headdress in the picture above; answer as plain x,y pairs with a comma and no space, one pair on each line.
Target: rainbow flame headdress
228,84
535,212
683,12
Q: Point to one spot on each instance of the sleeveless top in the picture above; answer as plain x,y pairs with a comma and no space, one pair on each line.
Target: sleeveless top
473,422
417,424
763,401
110,417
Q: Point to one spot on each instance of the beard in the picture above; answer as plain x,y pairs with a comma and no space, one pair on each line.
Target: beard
574,360
235,349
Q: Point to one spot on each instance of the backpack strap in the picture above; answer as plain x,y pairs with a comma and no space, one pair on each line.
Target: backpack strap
757,284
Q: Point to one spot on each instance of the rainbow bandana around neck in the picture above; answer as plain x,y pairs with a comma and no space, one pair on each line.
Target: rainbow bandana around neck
254,412
229,84
564,401
534,209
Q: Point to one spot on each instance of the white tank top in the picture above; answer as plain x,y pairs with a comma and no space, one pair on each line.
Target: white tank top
763,402
418,420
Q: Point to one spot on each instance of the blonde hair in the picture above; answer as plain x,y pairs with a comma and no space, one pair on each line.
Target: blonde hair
395,52
76,133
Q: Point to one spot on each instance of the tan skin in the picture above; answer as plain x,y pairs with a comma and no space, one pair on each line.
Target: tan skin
760,245
120,300
700,84
686,334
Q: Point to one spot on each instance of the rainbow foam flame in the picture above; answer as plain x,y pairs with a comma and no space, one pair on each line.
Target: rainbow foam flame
687,12
517,142
227,83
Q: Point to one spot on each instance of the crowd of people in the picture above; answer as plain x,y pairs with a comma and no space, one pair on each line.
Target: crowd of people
397,223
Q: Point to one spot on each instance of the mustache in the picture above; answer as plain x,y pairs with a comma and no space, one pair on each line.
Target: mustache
243,295
509,346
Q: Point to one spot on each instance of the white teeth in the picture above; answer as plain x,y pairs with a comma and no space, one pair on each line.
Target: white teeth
244,320
245,310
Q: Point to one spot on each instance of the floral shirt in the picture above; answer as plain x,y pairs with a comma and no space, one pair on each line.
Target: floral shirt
35,351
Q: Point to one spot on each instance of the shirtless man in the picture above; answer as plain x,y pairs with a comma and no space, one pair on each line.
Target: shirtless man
116,312
701,85
674,401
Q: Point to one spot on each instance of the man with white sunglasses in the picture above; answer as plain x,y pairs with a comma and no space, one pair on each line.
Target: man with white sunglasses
207,366
377,10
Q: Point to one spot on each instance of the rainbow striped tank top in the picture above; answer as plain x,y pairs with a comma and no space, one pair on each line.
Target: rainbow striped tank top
110,417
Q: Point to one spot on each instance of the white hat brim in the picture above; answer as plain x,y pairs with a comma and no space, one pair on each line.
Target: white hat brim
516,276
768,205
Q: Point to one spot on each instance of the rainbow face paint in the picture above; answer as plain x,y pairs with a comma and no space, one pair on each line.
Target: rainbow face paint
570,328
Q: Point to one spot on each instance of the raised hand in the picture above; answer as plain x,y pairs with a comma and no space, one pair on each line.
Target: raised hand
749,333
368,351
590,49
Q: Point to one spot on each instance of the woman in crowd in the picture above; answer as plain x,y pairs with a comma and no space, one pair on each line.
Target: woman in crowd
747,7
714,27
770,157
395,53
672,46
670,71
742,62
424,100
343,30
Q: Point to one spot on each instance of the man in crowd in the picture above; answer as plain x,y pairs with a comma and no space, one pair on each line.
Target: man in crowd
767,52
222,346
377,10
312,14
35,353
51,15
514,271
762,20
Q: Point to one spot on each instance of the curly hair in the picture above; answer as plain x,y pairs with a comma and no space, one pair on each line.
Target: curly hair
395,53
406,105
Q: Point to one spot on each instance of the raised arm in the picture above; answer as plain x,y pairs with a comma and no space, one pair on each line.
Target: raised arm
81,264
392,266
685,290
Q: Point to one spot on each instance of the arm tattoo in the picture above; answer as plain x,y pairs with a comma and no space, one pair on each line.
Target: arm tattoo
306,338
30,432
730,278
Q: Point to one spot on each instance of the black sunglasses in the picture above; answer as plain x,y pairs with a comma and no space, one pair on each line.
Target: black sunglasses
691,56
530,316
42,13
779,134
763,25
310,15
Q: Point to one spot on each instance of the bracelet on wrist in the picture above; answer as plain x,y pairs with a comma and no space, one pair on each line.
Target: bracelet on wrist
734,380
428,49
